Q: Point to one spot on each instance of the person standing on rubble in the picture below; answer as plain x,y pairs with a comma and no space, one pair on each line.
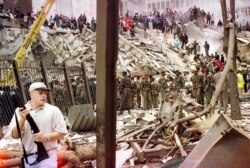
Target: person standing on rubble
138,92
219,24
133,91
208,18
195,46
145,88
179,81
197,81
240,82
206,46
118,94
184,40
50,122
80,23
93,24
154,91
132,29
212,20
209,86
163,87
125,92
165,28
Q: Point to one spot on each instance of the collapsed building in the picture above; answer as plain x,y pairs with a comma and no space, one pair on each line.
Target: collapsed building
152,138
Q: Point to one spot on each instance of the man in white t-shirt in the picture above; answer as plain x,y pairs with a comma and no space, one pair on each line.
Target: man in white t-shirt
50,122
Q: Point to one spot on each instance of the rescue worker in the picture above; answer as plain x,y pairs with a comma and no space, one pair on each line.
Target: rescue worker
197,81
132,29
163,87
184,40
145,88
179,81
206,46
118,96
209,86
133,91
125,92
240,82
138,93
154,92
195,45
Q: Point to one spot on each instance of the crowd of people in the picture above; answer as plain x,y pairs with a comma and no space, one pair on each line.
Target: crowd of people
146,89
153,91
57,21
149,92
167,21
70,23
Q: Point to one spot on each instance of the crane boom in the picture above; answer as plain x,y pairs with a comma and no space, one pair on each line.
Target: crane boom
33,32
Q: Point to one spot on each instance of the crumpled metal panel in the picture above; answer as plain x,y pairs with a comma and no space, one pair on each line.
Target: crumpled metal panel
81,118
223,146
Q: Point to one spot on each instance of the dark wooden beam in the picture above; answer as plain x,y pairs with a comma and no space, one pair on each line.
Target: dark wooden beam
224,12
107,50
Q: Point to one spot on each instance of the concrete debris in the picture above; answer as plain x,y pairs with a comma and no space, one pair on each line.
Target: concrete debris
142,135
122,156
244,52
214,38
11,40
140,55
81,118
223,139
149,118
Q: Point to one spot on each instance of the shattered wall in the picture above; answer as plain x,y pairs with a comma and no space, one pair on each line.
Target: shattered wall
70,8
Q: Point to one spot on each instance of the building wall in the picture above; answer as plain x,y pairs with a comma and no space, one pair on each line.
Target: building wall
212,6
133,6
70,8
85,6
24,6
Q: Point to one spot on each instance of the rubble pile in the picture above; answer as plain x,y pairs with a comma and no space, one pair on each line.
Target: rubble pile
11,40
138,55
153,137
214,38
144,136
145,53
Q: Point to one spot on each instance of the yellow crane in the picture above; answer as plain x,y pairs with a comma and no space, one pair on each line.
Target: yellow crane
31,36
33,32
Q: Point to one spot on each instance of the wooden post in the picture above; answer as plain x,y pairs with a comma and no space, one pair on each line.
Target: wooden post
225,48
121,7
232,10
224,12
107,50
232,49
225,22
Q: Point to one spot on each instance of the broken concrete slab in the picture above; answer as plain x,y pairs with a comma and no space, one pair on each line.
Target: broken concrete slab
222,146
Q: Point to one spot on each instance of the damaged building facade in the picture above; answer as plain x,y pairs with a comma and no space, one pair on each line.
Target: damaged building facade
179,131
